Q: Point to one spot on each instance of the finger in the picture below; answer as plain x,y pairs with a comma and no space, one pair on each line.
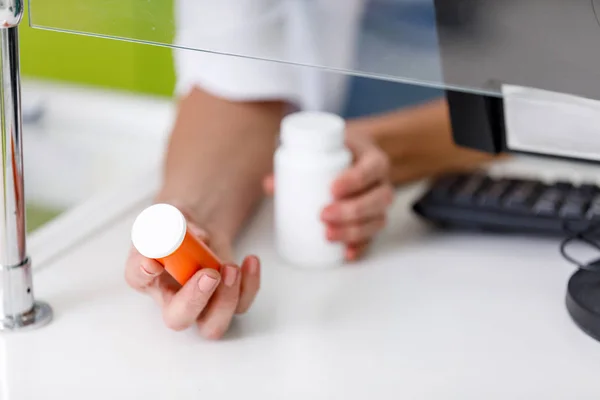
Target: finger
269,185
163,289
185,306
355,232
358,143
216,318
250,284
371,167
141,272
369,205
356,250
198,232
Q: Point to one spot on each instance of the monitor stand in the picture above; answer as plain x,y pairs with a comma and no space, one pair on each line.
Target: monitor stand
583,301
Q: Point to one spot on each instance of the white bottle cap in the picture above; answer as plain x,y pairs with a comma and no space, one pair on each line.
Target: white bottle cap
313,130
158,231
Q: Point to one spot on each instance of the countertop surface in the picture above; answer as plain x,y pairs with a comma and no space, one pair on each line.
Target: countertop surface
427,315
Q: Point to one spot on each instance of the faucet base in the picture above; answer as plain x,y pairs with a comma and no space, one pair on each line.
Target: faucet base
40,315
18,308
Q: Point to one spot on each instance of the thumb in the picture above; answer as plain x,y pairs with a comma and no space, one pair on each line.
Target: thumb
269,185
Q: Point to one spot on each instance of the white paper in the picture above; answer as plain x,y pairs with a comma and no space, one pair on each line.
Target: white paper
544,122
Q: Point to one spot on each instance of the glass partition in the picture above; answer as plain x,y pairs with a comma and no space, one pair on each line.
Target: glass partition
468,45
427,313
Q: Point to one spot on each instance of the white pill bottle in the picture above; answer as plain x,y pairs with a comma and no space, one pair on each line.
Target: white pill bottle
311,155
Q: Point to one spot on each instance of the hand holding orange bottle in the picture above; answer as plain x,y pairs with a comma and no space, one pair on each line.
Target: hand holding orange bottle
172,262
160,232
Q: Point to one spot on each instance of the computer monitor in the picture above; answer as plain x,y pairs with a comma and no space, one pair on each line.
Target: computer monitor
542,44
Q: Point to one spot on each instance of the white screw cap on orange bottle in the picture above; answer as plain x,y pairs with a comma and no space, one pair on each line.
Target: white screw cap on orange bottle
160,232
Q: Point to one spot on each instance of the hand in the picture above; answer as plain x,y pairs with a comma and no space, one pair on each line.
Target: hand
362,195
209,300
418,141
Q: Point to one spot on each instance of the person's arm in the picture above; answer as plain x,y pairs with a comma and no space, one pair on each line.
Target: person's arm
418,141
218,154
220,148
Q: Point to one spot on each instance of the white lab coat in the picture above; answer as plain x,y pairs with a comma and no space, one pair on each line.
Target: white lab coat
315,32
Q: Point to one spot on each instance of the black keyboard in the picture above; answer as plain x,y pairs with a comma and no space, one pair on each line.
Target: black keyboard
478,201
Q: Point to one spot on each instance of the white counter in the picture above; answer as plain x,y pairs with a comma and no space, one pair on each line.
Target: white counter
427,315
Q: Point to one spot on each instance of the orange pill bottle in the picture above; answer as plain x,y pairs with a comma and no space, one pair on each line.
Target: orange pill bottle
160,232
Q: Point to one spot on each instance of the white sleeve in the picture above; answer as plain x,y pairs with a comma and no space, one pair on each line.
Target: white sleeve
254,28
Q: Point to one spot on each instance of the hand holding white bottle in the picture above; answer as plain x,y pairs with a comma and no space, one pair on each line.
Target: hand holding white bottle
327,210
311,156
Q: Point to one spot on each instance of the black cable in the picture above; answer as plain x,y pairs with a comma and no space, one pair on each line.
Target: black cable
586,235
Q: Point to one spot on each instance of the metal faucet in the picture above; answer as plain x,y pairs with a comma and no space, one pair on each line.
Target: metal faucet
18,308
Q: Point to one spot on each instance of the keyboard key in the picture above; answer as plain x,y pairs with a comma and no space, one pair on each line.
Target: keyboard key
553,195
466,193
492,196
588,189
549,202
563,186
595,202
572,211
521,197
594,209
575,205
578,197
593,214
443,187
545,208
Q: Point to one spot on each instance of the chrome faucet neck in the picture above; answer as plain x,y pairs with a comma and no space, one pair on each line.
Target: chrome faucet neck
18,308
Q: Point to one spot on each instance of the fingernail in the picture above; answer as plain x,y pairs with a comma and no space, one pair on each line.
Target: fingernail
230,275
351,254
390,198
330,234
328,214
207,283
254,265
